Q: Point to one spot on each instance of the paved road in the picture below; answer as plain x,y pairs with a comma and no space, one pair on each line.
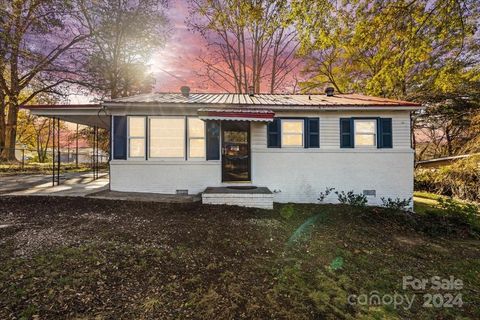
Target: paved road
16,183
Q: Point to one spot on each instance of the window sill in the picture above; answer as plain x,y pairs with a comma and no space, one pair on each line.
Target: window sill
166,162
332,150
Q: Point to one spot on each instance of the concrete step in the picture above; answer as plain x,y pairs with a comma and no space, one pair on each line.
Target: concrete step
257,197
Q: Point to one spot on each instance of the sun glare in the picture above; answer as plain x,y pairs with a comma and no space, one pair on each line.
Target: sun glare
155,64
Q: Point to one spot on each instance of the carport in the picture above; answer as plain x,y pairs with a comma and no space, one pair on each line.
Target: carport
92,115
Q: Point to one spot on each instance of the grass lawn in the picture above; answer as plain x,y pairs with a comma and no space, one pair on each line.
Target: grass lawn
423,201
86,258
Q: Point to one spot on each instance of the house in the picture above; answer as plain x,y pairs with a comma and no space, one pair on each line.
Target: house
291,147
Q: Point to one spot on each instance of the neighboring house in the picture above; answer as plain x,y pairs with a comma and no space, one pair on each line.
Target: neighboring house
295,146
445,161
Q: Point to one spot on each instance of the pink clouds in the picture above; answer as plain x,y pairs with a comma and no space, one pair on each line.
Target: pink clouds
177,64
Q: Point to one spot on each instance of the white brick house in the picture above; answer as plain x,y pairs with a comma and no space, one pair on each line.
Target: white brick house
294,145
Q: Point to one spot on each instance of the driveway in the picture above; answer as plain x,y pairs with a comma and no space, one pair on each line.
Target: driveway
71,184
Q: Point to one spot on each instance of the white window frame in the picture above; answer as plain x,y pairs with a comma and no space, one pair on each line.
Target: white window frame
282,133
135,137
365,133
150,139
204,138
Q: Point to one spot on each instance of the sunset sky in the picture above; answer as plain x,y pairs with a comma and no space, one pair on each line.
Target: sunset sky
176,65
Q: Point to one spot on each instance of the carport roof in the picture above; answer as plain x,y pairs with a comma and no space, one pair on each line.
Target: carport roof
86,114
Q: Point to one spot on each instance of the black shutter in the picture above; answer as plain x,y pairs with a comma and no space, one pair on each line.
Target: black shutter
213,140
346,133
312,133
384,133
274,134
120,137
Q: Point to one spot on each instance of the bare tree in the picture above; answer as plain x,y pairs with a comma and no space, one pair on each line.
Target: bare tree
35,37
251,43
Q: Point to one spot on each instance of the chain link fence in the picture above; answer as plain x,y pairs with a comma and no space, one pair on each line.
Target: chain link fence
31,161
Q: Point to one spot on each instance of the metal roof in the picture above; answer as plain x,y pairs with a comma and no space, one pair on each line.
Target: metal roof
261,100
245,114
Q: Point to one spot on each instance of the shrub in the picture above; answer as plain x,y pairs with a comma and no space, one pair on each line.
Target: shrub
325,194
451,217
397,204
460,179
467,211
351,198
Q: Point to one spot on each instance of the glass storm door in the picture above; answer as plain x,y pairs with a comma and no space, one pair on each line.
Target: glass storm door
235,151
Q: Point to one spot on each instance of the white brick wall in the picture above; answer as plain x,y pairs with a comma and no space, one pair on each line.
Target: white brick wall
297,175
300,177
164,177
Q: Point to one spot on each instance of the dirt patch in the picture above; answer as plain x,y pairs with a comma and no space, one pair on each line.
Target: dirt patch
411,241
70,258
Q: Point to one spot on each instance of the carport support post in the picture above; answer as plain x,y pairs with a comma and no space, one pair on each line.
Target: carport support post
76,148
56,144
95,153
96,156
58,151
53,152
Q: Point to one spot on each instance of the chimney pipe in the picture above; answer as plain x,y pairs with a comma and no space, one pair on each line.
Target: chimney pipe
185,91
329,91
251,91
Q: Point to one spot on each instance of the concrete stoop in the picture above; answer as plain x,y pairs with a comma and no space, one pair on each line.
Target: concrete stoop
254,197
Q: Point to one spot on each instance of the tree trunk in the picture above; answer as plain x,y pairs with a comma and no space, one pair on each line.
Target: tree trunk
413,139
2,120
448,138
8,153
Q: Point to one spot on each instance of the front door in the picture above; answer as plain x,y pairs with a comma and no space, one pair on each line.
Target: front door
235,151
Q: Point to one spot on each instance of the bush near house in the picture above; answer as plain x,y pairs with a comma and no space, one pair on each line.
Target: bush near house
460,179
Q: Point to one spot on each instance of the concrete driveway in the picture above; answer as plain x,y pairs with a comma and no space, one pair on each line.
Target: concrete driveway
72,184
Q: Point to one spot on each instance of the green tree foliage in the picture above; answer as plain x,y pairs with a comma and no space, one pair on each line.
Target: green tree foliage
460,179
124,35
388,48
421,50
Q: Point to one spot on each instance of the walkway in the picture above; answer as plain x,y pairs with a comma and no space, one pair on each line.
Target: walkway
79,185
72,185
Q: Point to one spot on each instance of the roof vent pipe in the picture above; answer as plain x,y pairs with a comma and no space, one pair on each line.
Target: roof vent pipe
185,91
251,91
329,91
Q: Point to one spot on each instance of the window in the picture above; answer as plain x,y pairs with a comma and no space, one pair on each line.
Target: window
365,133
136,137
292,133
196,138
167,137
